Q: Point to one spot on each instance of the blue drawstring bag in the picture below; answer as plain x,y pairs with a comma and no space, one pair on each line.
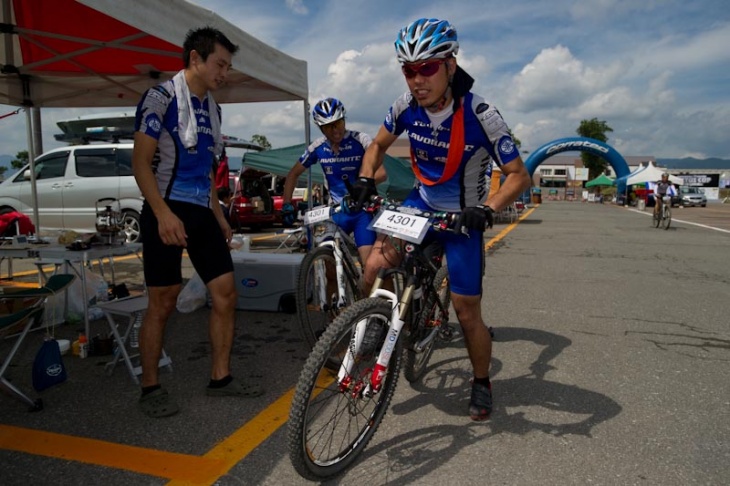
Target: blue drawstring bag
48,368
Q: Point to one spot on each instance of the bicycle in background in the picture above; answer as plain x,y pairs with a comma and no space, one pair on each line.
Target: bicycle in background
663,217
330,275
350,376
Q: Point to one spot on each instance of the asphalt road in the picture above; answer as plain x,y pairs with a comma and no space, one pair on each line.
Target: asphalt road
610,367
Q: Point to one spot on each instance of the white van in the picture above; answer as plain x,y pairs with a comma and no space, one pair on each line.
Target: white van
69,182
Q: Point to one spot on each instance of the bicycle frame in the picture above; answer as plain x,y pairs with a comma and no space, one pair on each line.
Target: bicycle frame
412,270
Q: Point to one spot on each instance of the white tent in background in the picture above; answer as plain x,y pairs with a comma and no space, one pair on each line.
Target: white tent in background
651,173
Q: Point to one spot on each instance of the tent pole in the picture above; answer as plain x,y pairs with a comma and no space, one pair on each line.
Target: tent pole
307,140
37,131
31,159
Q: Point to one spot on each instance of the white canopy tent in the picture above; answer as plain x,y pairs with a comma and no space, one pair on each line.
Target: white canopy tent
98,53
651,173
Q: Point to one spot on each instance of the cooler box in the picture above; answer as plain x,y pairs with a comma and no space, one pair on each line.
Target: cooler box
266,281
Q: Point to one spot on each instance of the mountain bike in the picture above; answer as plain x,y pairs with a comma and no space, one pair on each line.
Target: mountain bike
330,275
349,378
663,217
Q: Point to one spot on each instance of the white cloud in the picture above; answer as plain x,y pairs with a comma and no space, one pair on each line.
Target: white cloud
556,79
708,48
297,6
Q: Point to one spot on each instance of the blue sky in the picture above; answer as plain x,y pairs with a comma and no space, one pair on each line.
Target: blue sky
657,71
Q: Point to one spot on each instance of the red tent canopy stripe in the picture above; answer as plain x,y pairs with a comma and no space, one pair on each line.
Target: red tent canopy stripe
81,41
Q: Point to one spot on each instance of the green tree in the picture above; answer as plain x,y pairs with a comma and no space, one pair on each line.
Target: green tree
21,158
596,129
261,141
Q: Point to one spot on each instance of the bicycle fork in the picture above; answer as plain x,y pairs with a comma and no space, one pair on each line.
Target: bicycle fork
396,322
326,301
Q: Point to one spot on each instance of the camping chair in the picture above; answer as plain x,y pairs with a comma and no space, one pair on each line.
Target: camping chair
25,311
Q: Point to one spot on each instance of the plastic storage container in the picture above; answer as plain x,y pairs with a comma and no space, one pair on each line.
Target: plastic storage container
266,281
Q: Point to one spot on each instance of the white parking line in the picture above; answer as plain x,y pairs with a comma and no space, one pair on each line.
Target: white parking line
685,222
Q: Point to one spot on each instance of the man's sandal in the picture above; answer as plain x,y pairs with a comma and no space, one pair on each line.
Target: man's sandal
158,404
236,388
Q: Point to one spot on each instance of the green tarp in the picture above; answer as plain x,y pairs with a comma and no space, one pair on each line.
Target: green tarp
601,180
280,161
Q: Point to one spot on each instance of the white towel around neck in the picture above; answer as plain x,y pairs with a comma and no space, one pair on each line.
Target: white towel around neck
187,124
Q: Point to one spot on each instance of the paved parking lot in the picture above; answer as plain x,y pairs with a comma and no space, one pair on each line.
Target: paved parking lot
610,367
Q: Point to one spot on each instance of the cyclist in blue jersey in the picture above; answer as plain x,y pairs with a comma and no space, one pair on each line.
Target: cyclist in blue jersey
339,152
177,135
454,136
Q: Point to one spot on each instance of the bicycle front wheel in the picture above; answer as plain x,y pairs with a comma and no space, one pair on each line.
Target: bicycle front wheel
657,218
331,422
667,220
317,295
423,337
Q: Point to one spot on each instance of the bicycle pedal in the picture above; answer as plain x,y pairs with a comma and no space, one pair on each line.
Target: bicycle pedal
446,333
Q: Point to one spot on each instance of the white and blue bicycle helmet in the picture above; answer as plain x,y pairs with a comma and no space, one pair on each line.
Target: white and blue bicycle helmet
327,111
426,39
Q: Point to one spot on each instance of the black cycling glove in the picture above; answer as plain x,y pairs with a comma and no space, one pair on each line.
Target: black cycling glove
475,218
362,190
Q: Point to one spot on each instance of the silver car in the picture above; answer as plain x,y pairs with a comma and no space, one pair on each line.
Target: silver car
692,196
70,181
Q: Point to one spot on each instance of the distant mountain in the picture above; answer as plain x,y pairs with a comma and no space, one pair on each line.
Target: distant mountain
691,163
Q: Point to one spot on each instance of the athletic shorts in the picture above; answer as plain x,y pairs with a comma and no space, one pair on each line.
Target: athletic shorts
464,255
207,247
357,224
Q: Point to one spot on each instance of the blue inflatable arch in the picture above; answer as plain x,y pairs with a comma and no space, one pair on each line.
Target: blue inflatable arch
582,144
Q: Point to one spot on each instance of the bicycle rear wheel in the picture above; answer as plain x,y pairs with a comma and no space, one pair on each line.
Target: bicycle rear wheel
317,293
331,424
426,330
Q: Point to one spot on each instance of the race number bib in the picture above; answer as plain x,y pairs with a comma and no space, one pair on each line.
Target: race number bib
320,213
408,227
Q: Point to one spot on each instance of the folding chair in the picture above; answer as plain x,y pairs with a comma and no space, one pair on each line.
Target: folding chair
25,311
128,308
294,239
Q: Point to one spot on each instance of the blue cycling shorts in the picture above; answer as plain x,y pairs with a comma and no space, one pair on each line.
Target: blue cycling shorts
357,224
464,255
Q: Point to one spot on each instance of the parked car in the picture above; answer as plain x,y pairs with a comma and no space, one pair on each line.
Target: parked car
257,199
692,196
69,182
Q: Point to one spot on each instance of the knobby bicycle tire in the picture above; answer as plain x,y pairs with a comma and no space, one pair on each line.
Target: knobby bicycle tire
667,219
312,319
328,428
414,364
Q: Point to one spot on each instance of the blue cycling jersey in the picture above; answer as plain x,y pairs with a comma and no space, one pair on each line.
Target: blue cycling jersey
345,164
182,174
486,141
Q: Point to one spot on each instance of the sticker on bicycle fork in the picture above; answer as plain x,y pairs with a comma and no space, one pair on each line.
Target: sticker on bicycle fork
408,227
320,213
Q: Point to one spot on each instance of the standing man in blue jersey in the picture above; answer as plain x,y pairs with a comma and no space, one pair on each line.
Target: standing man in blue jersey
455,136
339,152
177,136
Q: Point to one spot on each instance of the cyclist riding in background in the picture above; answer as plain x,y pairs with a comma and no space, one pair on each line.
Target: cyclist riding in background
454,135
340,153
662,189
